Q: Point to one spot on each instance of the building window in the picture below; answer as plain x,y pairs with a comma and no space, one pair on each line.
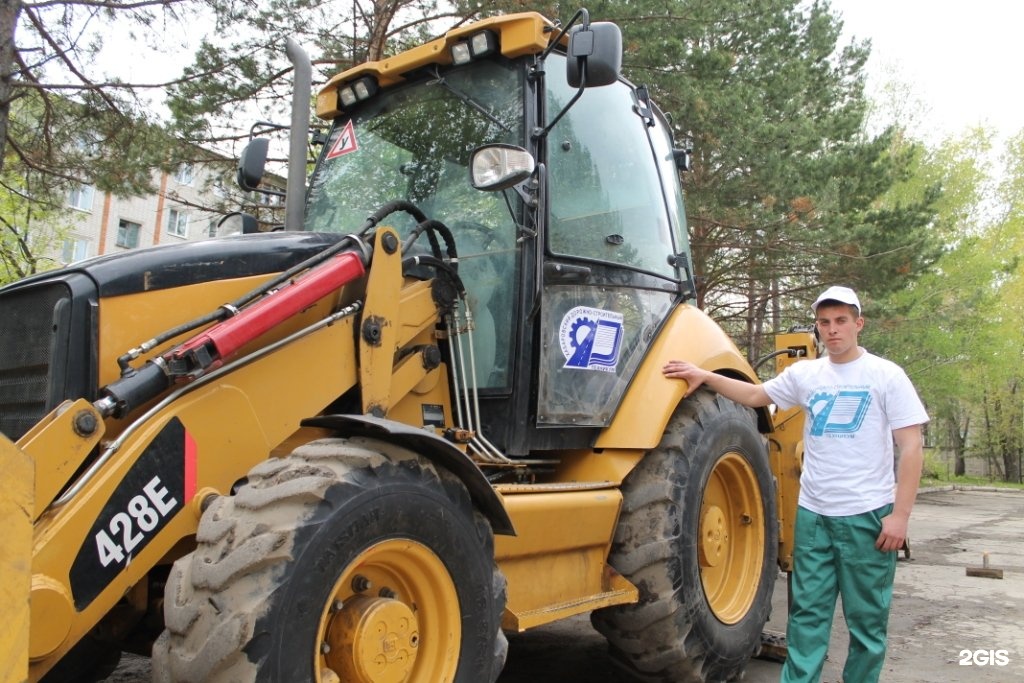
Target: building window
211,230
219,189
177,223
75,249
185,174
128,234
89,147
80,197
261,199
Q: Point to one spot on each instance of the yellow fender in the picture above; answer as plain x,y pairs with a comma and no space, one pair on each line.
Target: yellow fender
690,335
651,399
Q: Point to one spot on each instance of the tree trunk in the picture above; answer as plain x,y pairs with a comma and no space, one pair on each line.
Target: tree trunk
959,445
383,14
9,12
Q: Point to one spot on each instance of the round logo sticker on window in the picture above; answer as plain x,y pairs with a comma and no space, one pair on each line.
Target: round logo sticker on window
590,338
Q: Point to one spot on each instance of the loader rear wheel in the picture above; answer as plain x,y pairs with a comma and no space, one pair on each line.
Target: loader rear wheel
698,536
349,560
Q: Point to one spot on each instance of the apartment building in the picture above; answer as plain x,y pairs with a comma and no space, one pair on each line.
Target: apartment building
188,205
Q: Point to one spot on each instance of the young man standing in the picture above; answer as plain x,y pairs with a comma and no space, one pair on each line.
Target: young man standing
849,523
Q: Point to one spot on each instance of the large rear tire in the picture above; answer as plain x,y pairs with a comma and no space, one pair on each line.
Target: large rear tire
349,560
698,535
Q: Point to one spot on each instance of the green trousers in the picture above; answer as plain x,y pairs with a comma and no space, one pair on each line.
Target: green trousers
836,556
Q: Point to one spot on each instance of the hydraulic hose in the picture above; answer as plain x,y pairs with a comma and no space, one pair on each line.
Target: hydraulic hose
231,309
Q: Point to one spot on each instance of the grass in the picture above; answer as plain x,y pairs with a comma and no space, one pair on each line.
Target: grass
938,471
969,481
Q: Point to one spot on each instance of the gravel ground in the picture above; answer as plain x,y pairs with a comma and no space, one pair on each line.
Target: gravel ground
945,626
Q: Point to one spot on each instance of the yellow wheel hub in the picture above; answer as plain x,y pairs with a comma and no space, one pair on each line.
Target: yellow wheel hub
376,639
714,536
393,617
731,538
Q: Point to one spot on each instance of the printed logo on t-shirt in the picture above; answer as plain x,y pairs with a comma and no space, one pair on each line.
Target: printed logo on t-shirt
838,413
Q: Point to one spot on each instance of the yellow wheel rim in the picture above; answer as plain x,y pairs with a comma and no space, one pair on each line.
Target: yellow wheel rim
393,616
731,541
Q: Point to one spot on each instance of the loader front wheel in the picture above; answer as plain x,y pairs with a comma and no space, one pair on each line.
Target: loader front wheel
350,560
698,535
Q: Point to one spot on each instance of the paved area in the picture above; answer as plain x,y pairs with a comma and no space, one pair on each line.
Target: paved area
945,626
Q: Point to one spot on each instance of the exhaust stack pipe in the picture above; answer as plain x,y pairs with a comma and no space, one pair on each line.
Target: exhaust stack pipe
295,197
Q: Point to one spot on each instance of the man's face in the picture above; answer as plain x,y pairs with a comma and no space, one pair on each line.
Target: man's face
839,325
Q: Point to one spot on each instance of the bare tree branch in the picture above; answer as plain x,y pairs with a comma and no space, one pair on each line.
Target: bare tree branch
71,66
103,5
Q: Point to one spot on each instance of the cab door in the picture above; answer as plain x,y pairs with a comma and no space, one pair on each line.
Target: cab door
612,235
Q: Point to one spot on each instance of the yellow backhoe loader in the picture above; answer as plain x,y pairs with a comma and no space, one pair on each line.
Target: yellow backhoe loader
427,412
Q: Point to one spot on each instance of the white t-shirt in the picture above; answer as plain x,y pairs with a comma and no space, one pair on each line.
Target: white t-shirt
850,410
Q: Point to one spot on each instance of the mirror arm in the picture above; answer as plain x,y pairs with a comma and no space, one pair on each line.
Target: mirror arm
688,285
543,132
261,127
582,11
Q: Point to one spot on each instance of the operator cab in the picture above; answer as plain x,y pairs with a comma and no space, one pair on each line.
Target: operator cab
571,236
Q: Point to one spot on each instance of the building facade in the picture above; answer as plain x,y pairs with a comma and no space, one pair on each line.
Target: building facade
188,204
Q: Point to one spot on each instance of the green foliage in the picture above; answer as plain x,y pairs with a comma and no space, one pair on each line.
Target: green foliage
786,192
22,251
240,72
63,124
959,330
32,195
55,145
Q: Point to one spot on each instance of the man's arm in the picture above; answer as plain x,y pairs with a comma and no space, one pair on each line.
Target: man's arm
752,395
894,526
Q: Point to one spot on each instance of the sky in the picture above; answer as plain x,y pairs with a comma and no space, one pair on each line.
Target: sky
962,60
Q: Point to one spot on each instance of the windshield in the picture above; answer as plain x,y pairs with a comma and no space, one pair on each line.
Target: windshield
414,143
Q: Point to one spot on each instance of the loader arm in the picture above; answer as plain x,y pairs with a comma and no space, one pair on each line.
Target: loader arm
16,500
137,504
89,550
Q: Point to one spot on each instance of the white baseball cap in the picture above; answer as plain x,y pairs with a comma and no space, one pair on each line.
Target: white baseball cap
843,295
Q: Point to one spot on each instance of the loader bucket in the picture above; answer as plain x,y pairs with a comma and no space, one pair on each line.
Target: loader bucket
16,499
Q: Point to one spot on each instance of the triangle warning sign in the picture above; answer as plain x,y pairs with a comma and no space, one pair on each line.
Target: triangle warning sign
345,143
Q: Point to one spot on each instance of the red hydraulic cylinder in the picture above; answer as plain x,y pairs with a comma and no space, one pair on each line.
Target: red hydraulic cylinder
226,337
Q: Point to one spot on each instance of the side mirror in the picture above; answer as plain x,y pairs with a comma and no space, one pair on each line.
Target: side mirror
682,158
237,222
595,55
499,167
251,164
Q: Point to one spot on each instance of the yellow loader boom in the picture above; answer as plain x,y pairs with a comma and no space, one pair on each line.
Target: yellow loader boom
16,500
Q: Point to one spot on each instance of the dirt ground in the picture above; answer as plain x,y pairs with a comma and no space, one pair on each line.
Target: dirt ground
945,626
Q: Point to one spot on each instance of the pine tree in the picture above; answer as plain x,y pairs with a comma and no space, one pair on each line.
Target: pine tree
64,124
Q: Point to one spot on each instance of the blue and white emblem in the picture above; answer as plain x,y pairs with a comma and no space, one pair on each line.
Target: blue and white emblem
842,412
590,338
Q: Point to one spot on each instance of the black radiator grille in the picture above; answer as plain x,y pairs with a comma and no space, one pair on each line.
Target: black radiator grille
34,336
